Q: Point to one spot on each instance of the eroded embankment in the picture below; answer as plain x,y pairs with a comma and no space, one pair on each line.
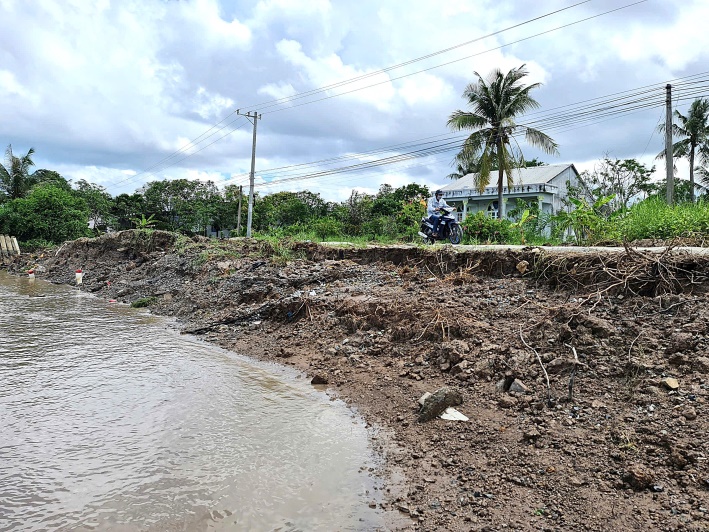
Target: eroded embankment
598,437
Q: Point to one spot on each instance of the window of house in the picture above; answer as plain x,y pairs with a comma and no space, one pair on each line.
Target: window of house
492,210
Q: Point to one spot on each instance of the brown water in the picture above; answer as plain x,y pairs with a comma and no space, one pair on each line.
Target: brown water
110,420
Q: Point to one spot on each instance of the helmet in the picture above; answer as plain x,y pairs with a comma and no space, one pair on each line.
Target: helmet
438,192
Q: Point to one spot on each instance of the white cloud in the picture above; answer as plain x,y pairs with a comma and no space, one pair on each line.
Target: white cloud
104,88
329,70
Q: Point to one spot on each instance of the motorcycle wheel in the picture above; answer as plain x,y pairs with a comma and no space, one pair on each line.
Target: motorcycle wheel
428,239
456,234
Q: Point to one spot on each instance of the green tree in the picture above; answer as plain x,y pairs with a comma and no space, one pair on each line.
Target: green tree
622,179
463,168
693,129
126,207
99,203
15,177
658,190
284,209
411,192
181,204
48,213
50,177
495,103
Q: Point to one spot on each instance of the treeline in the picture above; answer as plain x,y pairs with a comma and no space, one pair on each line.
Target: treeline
42,208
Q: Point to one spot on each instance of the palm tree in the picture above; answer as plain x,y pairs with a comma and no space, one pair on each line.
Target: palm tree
463,168
693,129
495,103
15,177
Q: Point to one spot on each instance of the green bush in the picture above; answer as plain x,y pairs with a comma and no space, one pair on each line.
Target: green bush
325,228
481,228
35,244
654,218
143,302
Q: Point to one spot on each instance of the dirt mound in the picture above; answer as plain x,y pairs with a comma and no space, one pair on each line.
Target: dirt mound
584,375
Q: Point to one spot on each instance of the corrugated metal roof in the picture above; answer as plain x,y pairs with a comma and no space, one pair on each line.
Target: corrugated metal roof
522,176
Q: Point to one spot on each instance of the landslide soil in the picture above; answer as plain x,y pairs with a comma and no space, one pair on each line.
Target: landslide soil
601,440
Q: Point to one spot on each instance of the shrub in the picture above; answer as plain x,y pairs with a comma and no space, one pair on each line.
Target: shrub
143,302
327,228
481,228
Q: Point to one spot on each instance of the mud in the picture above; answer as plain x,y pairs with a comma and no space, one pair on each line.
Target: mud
584,377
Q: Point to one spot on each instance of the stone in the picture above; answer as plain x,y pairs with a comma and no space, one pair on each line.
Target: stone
670,383
507,402
423,398
437,403
680,341
518,386
531,434
522,266
639,477
689,413
319,379
700,364
460,367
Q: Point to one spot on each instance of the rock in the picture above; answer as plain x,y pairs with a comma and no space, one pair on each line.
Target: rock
518,387
459,367
576,481
507,402
522,266
531,434
639,477
700,364
670,383
453,351
437,403
319,379
689,413
600,327
482,369
680,341
423,398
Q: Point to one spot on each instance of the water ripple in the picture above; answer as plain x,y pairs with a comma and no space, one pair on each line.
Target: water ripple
112,421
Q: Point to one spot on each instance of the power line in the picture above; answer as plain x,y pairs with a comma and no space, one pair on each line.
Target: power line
621,105
266,105
561,124
458,60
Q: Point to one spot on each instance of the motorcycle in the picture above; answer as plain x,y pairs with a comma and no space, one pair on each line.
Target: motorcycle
448,228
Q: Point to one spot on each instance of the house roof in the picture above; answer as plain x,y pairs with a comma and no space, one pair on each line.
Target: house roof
521,176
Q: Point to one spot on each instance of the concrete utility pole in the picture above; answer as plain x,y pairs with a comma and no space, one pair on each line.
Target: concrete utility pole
238,212
253,118
668,147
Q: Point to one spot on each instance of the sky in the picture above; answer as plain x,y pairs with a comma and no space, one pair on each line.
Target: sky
124,92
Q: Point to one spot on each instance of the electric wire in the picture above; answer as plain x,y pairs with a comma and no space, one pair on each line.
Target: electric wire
268,104
315,91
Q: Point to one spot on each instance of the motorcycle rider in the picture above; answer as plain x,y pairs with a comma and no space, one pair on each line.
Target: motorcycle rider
433,210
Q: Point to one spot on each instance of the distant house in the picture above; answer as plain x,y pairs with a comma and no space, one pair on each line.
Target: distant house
544,185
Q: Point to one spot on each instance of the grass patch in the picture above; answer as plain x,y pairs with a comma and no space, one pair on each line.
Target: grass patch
143,302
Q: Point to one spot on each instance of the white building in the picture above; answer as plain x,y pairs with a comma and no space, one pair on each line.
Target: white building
545,185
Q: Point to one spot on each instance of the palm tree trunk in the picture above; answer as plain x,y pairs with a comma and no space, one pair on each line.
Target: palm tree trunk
500,202
500,180
691,174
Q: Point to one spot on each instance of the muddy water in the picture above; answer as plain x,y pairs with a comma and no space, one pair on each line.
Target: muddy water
110,420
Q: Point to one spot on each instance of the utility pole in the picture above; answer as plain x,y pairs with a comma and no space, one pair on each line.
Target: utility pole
253,117
238,212
668,147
